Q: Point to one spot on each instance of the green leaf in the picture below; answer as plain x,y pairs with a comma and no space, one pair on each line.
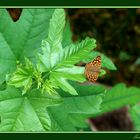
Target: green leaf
120,96
67,35
25,113
74,53
78,106
75,110
56,28
51,47
62,83
44,59
135,116
3,86
86,89
106,62
102,72
49,57
22,38
23,76
11,106
74,73
49,88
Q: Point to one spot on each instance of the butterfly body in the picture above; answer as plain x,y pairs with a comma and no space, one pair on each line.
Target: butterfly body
92,69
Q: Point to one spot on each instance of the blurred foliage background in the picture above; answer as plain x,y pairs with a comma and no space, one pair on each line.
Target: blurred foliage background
117,32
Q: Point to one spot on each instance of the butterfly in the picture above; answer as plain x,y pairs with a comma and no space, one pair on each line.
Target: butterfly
92,69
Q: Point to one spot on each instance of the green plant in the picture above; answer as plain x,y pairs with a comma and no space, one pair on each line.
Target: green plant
135,116
35,81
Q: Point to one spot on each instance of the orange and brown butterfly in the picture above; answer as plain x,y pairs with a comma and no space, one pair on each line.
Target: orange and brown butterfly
92,69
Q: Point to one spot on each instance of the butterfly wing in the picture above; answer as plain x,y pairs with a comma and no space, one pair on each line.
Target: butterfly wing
92,77
92,69
96,64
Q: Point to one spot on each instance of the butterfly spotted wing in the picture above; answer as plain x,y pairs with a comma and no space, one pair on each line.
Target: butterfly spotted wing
92,69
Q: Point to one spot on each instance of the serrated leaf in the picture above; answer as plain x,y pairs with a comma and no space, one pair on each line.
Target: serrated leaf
120,96
25,113
23,76
56,28
62,83
49,88
51,47
74,53
106,62
135,116
22,38
28,112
